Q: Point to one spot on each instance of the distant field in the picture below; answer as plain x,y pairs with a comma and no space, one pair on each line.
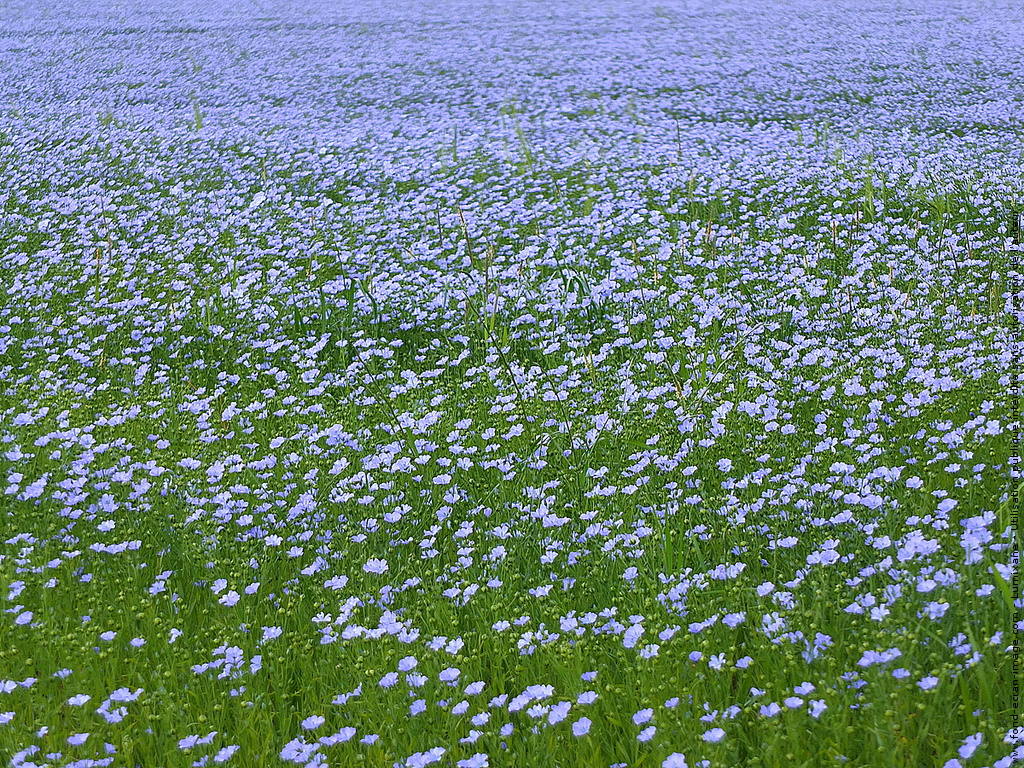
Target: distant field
515,384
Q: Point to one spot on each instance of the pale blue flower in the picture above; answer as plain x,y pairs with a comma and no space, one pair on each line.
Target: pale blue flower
559,712
971,743
225,753
643,716
581,727
313,722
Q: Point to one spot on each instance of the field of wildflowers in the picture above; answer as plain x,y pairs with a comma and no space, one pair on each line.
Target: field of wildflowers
509,384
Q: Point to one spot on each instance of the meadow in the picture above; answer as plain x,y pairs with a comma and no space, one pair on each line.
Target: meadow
523,384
